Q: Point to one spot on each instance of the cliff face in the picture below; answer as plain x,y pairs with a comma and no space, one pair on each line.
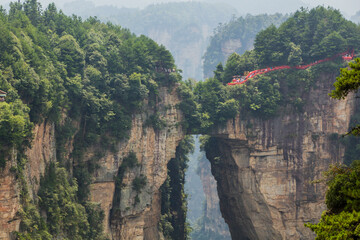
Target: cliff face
264,168
38,156
138,213
153,148
9,201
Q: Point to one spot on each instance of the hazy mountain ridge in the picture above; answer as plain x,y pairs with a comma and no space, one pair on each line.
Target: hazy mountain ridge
183,27
236,36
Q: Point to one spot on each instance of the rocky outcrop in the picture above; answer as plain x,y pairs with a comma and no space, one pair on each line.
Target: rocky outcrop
138,213
42,151
9,201
264,168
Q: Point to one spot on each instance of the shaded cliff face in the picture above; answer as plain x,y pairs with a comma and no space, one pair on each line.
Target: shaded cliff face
39,155
153,148
138,213
264,168
9,202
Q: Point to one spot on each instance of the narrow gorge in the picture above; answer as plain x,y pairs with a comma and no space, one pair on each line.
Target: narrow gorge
96,126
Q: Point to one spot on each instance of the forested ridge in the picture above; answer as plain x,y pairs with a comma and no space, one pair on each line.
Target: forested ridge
305,37
71,72
183,27
85,73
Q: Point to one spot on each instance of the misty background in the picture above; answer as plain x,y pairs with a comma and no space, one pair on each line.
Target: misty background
347,7
186,28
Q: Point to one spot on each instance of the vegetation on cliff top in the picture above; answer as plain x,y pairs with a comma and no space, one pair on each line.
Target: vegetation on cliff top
86,77
97,74
307,36
179,25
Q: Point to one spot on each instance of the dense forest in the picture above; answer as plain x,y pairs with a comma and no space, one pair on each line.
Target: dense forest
236,36
183,27
307,36
93,75
71,72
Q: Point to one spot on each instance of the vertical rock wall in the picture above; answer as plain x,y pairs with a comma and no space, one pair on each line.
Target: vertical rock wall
9,201
38,156
153,148
264,168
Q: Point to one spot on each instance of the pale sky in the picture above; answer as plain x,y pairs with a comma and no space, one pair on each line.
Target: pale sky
349,7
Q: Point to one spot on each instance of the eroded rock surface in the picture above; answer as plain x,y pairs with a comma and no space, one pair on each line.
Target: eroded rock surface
42,151
138,213
264,168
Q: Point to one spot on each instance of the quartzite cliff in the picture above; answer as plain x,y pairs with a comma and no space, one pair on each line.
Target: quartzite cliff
153,148
264,168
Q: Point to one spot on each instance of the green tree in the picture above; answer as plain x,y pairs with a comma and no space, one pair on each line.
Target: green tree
231,68
295,54
348,81
342,219
268,46
71,55
329,45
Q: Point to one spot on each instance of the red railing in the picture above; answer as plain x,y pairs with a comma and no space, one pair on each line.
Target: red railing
345,55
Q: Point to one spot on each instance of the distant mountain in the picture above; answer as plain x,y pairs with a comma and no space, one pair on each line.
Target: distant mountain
184,28
356,17
236,36
263,6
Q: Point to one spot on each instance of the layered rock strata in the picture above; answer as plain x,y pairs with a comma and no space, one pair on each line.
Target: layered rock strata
42,151
264,168
138,213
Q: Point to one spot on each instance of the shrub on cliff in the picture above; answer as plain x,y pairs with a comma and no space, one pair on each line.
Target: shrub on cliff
15,128
342,219
307,36
65,218
93,74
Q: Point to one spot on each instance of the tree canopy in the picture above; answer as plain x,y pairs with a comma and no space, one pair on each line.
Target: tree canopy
305,37
342,219
86,77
